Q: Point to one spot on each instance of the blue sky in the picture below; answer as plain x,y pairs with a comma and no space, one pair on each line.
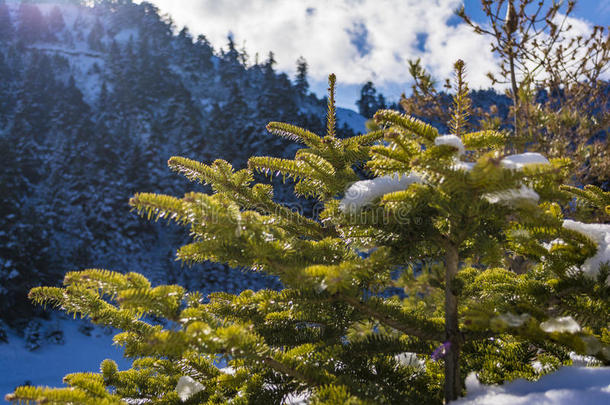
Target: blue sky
358,40
595,11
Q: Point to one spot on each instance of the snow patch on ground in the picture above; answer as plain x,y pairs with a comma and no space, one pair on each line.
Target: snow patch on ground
567,386
127,34
82,65
48,365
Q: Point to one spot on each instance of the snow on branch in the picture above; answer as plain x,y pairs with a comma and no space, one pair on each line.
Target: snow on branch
364,192
564,324
521,160
513,195
600,234
187,387
451,140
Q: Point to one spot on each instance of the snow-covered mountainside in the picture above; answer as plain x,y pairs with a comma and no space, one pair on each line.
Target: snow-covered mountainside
76,347
93,101
351,119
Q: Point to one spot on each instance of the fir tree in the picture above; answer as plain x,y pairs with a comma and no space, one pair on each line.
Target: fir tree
35,98
369,101
204,52
269,65
6,25
439,221
56,20
556,79
32,24
94,39
231,67
7,101
24,246
301,79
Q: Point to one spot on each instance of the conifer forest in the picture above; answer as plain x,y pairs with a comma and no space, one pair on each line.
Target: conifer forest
183,222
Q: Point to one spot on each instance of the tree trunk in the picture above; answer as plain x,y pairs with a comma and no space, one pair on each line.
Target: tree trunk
453,380
514,87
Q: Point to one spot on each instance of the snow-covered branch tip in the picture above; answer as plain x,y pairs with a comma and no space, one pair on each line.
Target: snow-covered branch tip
364,192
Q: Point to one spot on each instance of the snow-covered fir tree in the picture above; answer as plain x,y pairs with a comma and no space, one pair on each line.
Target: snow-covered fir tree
397,288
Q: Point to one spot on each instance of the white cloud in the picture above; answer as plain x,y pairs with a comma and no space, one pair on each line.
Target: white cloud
327,34
320,31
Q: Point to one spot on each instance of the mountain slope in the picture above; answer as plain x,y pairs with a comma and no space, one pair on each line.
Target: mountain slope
95,99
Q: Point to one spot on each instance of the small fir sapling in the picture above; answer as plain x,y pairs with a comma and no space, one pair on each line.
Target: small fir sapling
553,75
434,222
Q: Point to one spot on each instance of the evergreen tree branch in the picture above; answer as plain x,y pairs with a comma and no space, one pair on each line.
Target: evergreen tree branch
331,116
409,324
411,125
